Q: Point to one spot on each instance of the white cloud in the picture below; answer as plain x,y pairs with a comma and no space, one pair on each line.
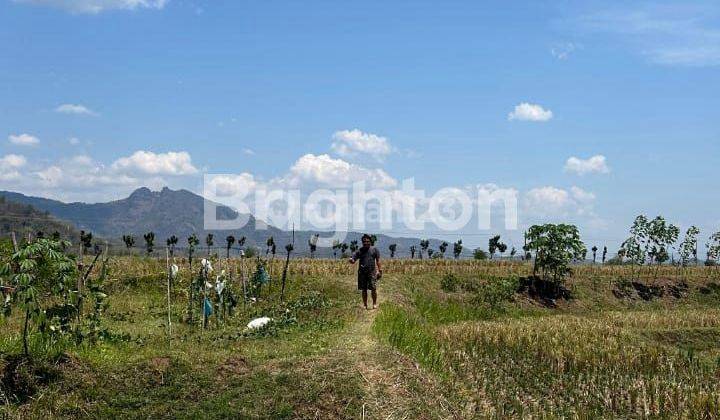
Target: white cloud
530,112
229,185
596,164
348,143
555,203
582,196
74,141
9,165
249,152
75,109
23,139
97,6
144,162
12,161
680,34
562,51
327,171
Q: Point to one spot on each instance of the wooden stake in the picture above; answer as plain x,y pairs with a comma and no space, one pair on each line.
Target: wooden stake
14,241
169,275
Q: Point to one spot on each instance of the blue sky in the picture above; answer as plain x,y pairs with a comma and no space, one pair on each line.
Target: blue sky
159,92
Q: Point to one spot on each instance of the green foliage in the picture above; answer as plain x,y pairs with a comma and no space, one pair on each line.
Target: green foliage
497,290
494,244
457,248
688,247
443,247
713,249
251,252
43,286
449,283
555,247
393,249
149,242
661,237
480,254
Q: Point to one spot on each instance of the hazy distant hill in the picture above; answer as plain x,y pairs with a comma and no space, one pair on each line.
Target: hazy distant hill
24,218
169,212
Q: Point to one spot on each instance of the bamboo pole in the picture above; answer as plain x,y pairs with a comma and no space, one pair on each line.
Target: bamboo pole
169,275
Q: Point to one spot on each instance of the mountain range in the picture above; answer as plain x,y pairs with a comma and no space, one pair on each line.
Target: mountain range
180,212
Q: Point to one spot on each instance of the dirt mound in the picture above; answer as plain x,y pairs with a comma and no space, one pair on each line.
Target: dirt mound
234,365
21,378
647,292
543,291
709,288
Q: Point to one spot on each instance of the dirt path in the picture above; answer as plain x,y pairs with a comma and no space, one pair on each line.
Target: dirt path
395,387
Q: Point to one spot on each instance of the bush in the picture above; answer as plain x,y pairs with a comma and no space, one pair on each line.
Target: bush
449,283
479,254
497,290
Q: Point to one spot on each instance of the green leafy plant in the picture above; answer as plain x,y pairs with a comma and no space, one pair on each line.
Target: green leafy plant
556,246
171,242
149,242
443,247
129,241
44,285
230,241
480,254
449,283
393,249
688,247
457,248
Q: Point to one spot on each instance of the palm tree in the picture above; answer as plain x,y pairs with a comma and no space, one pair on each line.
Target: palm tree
493,245
502,248
270,243
604,254
171,242
149,242
129,241
193,241
241,243
424,244
230,241
209,241
443,247
457,248
312,244
393,248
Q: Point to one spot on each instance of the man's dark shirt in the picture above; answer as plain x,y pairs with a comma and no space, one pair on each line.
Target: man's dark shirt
366,257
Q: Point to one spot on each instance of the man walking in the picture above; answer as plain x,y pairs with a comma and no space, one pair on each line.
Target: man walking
369,270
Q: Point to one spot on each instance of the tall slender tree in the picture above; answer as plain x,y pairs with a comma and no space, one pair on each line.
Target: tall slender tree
457,248
443,247
392,248
149,242
129,241
171,242
230,241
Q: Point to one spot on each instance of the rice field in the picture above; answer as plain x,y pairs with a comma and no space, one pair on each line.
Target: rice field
480,350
